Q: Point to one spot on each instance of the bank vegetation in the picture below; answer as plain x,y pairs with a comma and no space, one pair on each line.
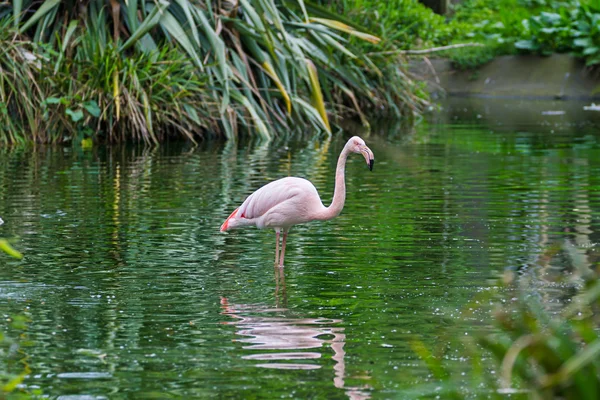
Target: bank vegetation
97,70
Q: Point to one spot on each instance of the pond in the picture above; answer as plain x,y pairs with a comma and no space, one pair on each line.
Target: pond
130,290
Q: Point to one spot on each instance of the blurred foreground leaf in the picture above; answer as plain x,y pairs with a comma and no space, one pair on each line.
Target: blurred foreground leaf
8,249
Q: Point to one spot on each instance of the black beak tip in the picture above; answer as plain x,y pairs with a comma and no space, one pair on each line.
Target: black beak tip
371,162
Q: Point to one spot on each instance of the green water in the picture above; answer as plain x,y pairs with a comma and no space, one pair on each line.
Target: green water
131,291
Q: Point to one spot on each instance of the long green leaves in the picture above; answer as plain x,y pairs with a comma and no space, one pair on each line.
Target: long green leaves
46,8
259,58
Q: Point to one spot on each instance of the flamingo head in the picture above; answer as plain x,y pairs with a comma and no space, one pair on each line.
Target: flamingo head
357,145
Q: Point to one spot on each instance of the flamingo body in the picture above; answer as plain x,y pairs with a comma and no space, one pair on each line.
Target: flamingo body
279,205
290,201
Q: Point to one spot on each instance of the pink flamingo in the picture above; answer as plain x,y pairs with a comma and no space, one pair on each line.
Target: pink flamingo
290,201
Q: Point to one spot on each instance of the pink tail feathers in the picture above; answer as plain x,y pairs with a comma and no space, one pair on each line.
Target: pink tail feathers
225,225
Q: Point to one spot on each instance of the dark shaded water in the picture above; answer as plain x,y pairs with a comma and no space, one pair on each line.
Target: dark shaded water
131,291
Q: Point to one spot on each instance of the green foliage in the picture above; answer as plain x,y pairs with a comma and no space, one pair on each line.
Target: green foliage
586,32
571,28
552,356
9,357
529,26
401,23
466,58
502,26
244,65
20,92
548,355
143,97
549,32
495,24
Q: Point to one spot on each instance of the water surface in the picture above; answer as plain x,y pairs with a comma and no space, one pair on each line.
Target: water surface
130,290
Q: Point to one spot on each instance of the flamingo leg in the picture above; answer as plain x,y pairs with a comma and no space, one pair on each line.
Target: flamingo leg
276,246
283,248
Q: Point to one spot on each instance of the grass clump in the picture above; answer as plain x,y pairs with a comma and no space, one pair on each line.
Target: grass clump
97,92
20,92
146,69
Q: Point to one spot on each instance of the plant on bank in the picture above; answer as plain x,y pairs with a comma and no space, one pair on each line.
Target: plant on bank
528,27
264,66
571,28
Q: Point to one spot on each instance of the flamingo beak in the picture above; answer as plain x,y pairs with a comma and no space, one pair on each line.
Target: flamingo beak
369,157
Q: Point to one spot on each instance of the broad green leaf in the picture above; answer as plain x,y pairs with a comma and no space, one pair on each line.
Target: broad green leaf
317,95
334,24
525,45
217,46
65,43
337,45
311,112
274,14
150,22
583,42
185,6
176,31
92,107
192,114
269,68
261,128
46,7
76,115
320,11
303,7
17,7
52,100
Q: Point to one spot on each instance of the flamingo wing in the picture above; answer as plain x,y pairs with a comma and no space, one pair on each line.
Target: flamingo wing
273,194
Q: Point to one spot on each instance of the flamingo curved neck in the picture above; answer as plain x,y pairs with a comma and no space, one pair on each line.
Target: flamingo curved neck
339,193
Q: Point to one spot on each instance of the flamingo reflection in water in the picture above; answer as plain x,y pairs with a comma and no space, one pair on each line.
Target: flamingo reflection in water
264,328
